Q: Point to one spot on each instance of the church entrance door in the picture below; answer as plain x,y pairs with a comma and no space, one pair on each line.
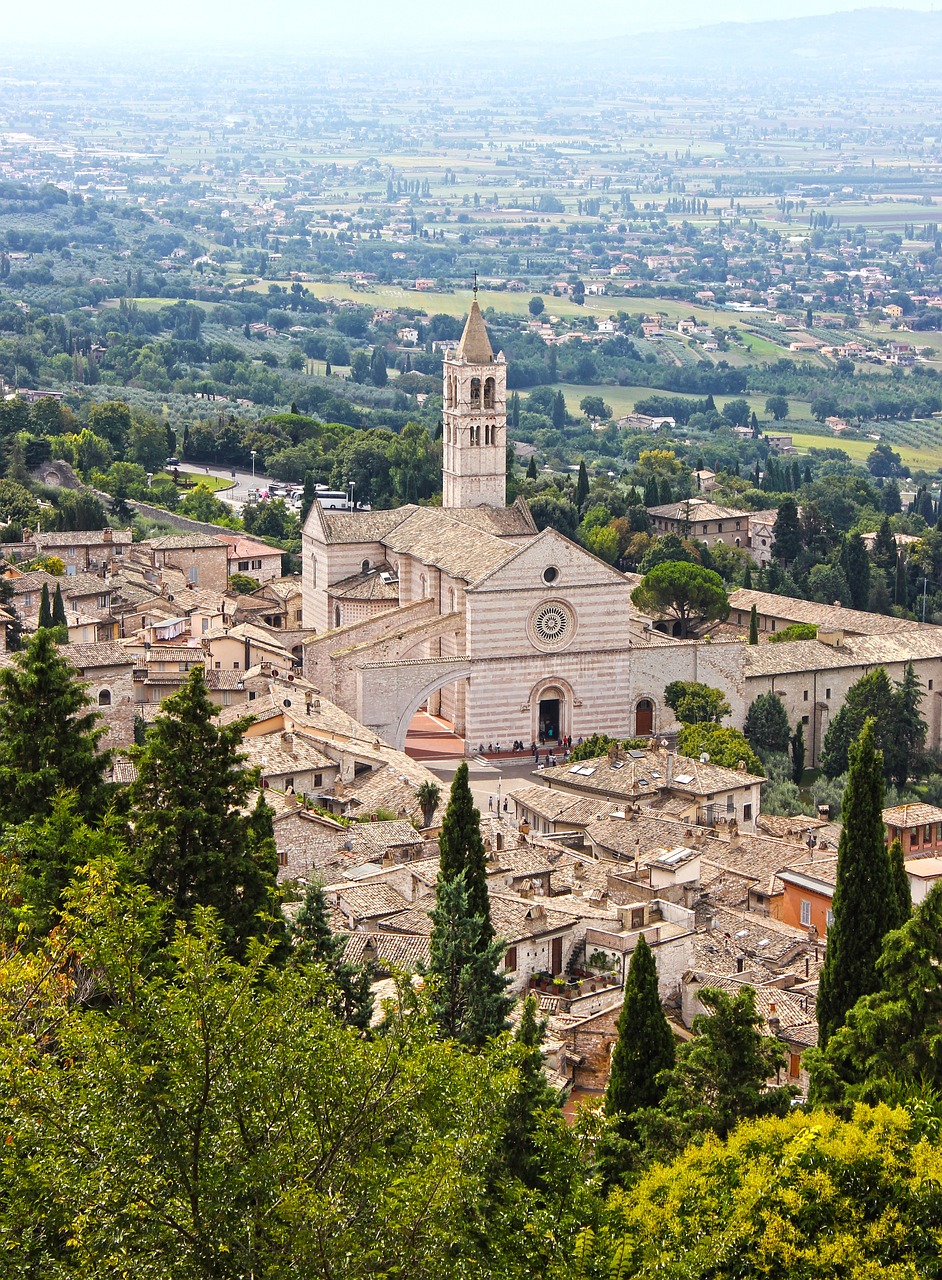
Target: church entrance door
644,718
549,719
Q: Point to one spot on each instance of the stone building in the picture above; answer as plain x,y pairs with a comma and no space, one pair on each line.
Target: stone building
505,631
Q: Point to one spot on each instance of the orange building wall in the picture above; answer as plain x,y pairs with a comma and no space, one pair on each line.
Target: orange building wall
787,908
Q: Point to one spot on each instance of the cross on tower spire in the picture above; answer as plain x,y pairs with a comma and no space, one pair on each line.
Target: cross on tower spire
475,290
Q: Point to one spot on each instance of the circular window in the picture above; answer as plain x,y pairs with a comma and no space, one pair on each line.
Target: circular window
550,574
552,624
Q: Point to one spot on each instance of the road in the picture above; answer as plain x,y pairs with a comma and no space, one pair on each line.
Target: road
244,481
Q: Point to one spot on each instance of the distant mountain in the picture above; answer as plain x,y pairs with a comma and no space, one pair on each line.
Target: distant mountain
863,44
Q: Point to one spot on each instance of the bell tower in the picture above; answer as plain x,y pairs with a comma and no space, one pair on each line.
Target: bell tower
474,420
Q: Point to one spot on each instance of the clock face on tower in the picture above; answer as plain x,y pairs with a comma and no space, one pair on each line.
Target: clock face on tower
552,624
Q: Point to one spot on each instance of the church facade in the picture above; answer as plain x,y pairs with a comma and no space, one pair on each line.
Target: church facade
506,632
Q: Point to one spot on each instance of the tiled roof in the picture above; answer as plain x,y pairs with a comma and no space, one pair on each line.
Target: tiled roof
856,651
456,547
88,538
369,901
827,616
242,548
696,510
644,774
85,657
275,758
183,542
518,918
912,815
364,586
389,950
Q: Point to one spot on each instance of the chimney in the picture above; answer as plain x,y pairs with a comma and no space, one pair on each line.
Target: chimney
773,1020
287,740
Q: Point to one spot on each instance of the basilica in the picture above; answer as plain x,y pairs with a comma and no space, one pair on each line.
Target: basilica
506,632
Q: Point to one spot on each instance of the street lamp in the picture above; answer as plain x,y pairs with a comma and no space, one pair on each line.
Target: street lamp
253,464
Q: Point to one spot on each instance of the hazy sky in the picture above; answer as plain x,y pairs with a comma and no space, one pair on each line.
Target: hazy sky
355,23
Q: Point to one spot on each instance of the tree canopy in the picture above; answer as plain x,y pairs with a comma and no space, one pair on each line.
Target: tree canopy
688,592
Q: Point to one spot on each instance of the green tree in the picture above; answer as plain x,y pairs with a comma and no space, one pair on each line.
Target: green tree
797,744
148,443
558,412
45,609
720,1077
724,746
864,903
689,593
533,1106
904,894
350,996
466,989
428,794
582,486
856,565
536,306
782,1197
695,703
766,724
224,1123
787,538
195,844
58,609
378,375
644,1047
531,467
48,738
753,623
777,406
890,1046
461,848
909,728
112,421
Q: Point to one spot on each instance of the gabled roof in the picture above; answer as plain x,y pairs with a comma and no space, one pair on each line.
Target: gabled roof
475,346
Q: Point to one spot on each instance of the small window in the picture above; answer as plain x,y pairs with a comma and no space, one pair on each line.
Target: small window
510,960
550,574
794,1065
805,911
205,625
289,784
104,698
829,918
103,602
914,838
192,574
827,693
218,665
930,686
365,566
773,624
747,813
637,917
256,564
806,695
235,666
243,566
318,779
927,836
805,719
252,694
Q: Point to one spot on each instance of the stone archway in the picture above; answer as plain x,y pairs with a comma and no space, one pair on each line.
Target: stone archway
551,703
390,693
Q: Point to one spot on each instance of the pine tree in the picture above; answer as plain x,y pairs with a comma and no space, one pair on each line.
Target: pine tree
195,844
753,624
747,584
645,1044
797,744
766,724
582,485
904,894
467,991
48,740
45,609
531,468
864,903
316,943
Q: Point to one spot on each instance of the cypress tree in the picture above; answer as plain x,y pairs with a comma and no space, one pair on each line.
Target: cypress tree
531,468
462,850
645,1043
797,744
747,579
58,610
909,728
45,609
532,1099
378,375
559,411
864,903
515,411
901,586
195,844
786,533
582,485
651,496
48,738
903,893
856,565
754,625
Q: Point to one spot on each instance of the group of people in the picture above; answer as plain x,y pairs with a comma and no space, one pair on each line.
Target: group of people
495,749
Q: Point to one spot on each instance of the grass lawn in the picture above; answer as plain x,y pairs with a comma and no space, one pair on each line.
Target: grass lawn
928,458
212,482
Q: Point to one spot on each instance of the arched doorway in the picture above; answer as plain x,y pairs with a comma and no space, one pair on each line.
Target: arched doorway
550,717
644,718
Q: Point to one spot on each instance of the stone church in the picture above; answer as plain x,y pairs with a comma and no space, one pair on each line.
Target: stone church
506,632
